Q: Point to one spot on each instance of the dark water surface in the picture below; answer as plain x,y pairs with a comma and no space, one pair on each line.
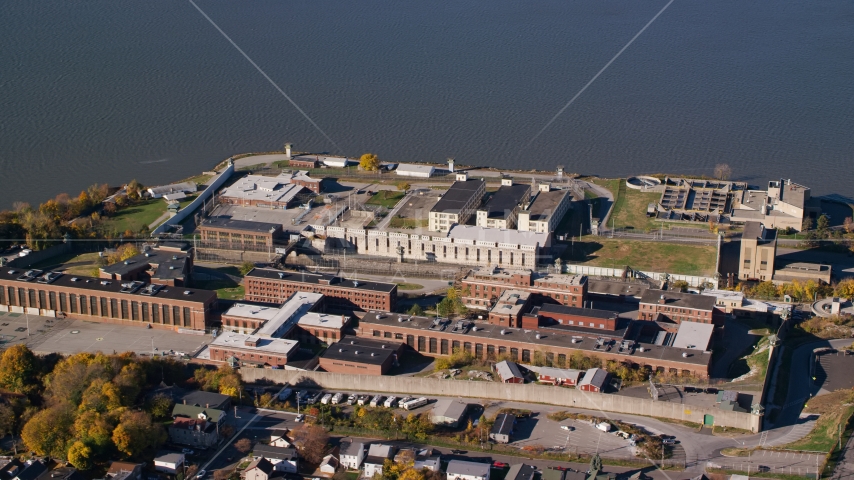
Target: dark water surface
109,90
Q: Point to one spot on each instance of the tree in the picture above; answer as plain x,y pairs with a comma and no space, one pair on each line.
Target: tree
311,441
369,162
80,455
848,225
222,474
845,288
7,420
403,186
160,406
807,224
244,445
822,224
723,171
47,433
246,267
416,310
18,367
136,434
680,285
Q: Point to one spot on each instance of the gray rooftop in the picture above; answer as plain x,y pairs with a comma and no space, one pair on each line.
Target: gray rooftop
320,279
202,398
462,467
505,200
693,335
544,205
520,471
229,223
449,408
361,350
596,377
276,453
457,196
507,370
353,449
548,308
503,424
679,299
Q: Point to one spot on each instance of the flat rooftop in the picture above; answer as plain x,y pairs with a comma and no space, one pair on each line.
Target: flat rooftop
511,302
499,235
505,200
297,306
679,299
320,279
149,258
694,335
545,203
325,320
549,336
255,312
606,287
458,196
261,188
92,284
229,223
547,308
361,350
278,346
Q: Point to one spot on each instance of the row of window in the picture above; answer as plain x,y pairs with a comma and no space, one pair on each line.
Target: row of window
96,306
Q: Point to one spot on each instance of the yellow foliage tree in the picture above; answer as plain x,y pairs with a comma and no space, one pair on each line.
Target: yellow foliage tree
80,455
369,162
18,369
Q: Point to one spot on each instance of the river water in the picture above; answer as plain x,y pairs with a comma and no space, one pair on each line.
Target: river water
109,90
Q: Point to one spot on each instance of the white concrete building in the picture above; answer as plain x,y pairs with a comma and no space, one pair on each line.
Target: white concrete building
170,463
545,212
413,170
457,205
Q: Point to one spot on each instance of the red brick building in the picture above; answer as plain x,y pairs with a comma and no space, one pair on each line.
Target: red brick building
304,180
365,356
578,317
555,345
252,350
559,376
303,162
676,307
102,300
510,307
484,286
232,234
275,286
169,263
594,380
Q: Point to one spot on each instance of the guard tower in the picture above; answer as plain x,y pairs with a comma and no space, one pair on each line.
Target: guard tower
288,147
451,164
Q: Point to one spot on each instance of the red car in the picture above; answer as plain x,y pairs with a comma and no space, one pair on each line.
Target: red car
499,465
558,467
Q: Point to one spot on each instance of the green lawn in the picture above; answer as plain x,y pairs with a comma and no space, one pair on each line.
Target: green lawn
409,286
630,209
135,216
73,264
647,256
824,436
386,198
225,289
398,222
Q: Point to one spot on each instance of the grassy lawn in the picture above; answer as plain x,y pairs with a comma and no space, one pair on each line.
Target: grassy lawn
824,436
72,264
398,222
409,286
225,289
386,198
647,256
630,209
134,217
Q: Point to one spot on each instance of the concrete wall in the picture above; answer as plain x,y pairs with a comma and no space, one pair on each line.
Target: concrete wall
208,192
510,392
41,255
693,280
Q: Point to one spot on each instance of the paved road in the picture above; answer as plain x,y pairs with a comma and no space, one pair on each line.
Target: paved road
259,159
845,468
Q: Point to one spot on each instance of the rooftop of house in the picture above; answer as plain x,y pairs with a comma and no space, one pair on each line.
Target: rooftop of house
170,458
505,200
320,279
757,231
353,449
325,320
201,398
679,299
564,373
457,196
545,204
596,377
468,331
511,302
449,408
92,284
503,424
415,168
520,471
262,464
465,468
508,370
277,453
361,350
202,413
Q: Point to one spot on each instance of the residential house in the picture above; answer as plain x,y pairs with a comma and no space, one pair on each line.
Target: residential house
124,471
329,464
352,455
509,372
463,470
259,469
595,380
520,471
61,473
29,470
429,459
170,463
278,438
193,432
212,415
377,455
283,459
448,411
502,428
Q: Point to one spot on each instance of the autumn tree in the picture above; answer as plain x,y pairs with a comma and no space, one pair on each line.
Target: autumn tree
311,441
246,267
7,420
47,433
403,186
136,433
80,455
369,162
244,445
723,171
160,406
18,368
416,310
822,224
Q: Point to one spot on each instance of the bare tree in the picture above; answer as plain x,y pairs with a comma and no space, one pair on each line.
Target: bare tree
244,445
311,441
723,171
222,474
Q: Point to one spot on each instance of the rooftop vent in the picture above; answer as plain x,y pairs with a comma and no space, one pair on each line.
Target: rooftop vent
684,354
538,336
356,352
174,257
75,279
341,350
382,346
503,332
281,275
355,283
127,262
352,342
372,354
187,292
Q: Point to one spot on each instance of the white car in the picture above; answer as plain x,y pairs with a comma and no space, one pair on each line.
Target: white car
299,418
604,426
201,474
567,428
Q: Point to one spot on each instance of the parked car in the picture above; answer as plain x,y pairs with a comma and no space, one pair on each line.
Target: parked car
499,465
458,452
299,418
604,426
764,468
558,467
351,399
201,474
712,390
568,428
363,399
187,451
668,441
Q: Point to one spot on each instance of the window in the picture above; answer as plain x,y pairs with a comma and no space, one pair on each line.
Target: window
422,344
176,315
490,351
11,292
103,307
134,311
187,317
432,344
22,297
2,296
387,335
145,316
444,349
42,299
93,305
526,355
410,340
83,306
377,333
72,299
32,298
155,313
124,309
114,308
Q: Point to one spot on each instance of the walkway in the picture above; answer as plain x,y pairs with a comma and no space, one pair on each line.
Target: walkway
253,160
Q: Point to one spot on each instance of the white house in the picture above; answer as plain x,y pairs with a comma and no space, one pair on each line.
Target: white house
329,464
283,459
278,439
170,463
462,470
352,455
412,170
259,469
377,455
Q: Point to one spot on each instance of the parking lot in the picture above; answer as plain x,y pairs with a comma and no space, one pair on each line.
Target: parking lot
49,335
